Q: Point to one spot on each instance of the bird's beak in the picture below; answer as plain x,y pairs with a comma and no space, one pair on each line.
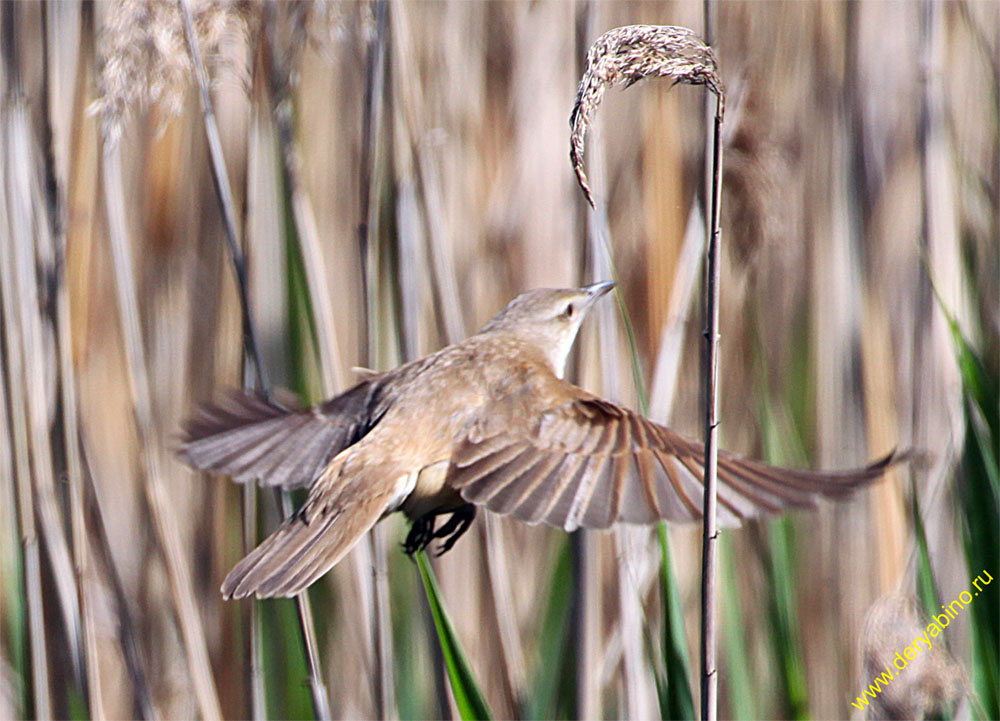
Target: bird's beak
597,290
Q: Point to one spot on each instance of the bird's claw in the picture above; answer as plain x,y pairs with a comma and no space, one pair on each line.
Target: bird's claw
422,531
420,535
455,527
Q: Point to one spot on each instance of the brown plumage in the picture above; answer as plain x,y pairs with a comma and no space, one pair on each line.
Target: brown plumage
488,421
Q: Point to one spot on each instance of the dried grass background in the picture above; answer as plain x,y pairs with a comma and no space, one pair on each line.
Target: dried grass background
441,196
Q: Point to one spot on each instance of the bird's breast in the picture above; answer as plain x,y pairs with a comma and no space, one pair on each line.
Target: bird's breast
430,493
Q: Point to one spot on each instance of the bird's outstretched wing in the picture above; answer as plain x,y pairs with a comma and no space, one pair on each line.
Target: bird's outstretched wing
584,461
252,439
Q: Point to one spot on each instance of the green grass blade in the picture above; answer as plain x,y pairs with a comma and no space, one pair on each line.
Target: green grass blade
553,689
739,687
780,566
301,318
784,622
285,669
677,702
981,533
979,506
926,588
981,521
468,697
414,666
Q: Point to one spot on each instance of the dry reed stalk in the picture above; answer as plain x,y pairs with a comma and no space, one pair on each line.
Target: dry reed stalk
644,574
440,242
220,178
37,366
937,423
409,236
586,621
307,626
127,637
585,550
223,192
710,534
515,680
937,410
710,381
835,318
8,690
67,380
158,501
371,124
10,563
384,672
14,405
385,695
28,236
664,197
886,499
666,370
258,697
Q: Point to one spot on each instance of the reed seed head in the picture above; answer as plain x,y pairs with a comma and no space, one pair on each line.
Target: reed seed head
145,59
930,684
627,55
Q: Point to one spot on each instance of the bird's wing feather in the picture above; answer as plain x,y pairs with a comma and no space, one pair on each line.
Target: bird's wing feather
252,439
344,503
587,462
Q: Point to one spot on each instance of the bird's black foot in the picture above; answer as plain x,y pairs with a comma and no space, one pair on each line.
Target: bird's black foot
420,535
422,531
452,530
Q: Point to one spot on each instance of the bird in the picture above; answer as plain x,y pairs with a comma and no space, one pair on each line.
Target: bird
487,422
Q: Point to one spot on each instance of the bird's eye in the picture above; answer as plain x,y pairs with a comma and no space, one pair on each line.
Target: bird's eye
570,311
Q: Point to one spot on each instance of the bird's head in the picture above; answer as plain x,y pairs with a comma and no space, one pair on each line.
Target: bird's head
549,318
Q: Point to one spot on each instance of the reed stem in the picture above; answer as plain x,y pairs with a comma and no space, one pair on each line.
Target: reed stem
710,533
220,180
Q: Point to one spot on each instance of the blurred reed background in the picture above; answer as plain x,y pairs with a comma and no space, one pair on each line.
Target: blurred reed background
399,171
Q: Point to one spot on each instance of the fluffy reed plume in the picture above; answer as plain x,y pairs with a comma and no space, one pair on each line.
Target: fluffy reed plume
931,683
627,55
144,56
759,169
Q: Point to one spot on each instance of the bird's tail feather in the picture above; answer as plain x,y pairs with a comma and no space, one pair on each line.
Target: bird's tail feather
340,509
